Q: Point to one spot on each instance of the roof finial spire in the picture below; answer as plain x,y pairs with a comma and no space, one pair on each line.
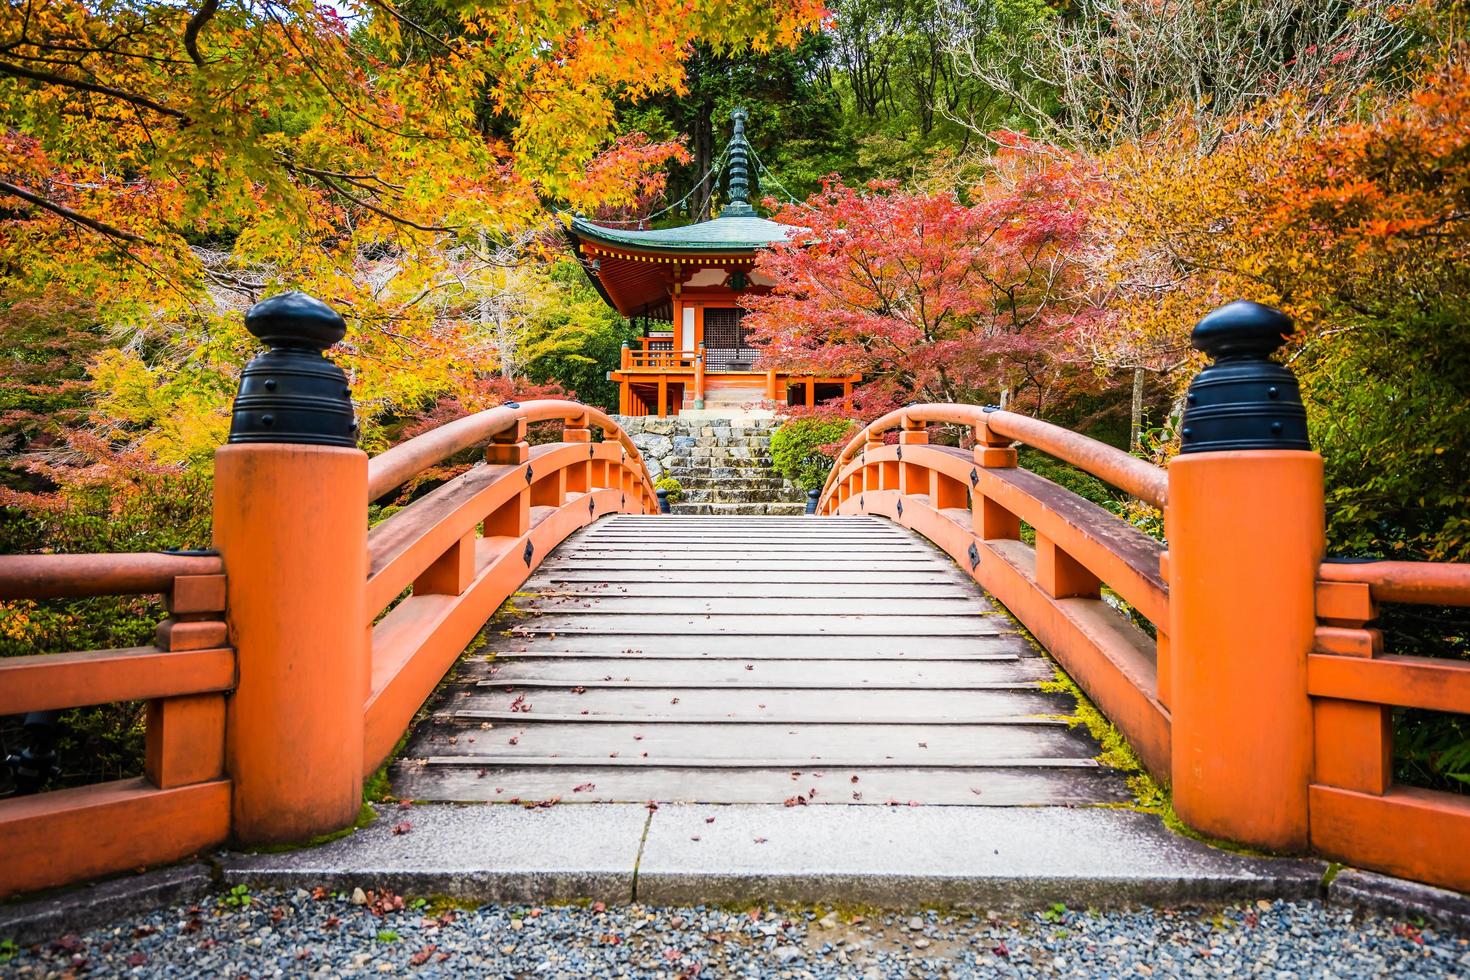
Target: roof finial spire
738,205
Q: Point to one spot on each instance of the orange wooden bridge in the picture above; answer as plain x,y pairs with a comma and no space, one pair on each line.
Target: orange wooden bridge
1240,661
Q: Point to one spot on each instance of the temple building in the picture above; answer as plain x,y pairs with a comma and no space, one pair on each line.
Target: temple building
683,285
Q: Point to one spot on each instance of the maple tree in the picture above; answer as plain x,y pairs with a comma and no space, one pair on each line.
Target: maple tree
165,165
929,298
1357,229
162,166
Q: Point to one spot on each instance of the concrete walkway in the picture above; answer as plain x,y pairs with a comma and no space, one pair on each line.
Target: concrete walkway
978,857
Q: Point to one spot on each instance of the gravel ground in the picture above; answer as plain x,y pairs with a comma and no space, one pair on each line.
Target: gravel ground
274,934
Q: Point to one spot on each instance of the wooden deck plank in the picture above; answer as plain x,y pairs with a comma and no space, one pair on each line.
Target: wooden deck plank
552,603
693,672
920,744
770,704
874,787
772,646
747,590
913,579
800,624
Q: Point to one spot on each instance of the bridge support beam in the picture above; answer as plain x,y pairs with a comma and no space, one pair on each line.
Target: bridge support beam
290,506
1245,536
1245,525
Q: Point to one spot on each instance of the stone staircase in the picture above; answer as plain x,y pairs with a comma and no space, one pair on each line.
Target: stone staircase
724,465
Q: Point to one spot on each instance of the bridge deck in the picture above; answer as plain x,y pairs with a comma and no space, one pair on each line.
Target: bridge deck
753,660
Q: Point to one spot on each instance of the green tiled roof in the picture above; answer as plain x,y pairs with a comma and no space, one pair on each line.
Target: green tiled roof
723,234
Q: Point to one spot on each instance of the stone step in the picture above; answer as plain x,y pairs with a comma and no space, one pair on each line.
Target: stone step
720,495
704,427
764,491
722,472
758,454
778,508
714,474
738,440
750,480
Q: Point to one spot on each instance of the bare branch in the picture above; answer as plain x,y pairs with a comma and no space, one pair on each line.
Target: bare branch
75,217
196,24
76,83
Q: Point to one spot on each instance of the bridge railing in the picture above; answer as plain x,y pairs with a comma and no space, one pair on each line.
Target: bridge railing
467,545
972,503
1358,814
181,803
1255,686
271,701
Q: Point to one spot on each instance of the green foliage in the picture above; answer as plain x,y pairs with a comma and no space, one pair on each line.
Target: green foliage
1389,409
236,898
801,449
577,339
8,950
149,512
387,936
673,486
1432,750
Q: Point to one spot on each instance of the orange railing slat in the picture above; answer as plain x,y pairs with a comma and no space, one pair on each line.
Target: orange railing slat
74,576
394,467
1137,477
1405,682
96,830
1407,831
69,680
1134,476
1420,582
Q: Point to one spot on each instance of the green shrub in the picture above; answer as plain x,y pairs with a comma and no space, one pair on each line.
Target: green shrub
796,449
673,486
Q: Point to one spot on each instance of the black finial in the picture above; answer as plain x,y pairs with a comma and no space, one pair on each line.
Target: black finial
295,321
663,500
291,393
1244,400
812,497
739,191
1241,329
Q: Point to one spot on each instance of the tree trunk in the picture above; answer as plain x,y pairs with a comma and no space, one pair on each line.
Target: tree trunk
1135,413
704,153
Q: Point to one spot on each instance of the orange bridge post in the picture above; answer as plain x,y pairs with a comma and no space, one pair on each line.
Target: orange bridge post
290,511
1246,534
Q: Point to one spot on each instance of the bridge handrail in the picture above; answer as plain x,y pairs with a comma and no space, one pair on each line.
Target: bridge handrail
1128,473
1414,582
1266,666
1359,813
973,505
393,467
85,575
181,803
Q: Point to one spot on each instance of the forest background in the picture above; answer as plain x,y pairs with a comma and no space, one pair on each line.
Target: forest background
1026,202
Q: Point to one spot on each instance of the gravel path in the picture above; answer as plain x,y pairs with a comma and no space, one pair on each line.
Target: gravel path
272,934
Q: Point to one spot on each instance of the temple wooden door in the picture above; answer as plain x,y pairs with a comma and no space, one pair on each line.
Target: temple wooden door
725,345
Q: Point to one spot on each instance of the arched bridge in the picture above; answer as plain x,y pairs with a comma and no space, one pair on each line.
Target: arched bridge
644,656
